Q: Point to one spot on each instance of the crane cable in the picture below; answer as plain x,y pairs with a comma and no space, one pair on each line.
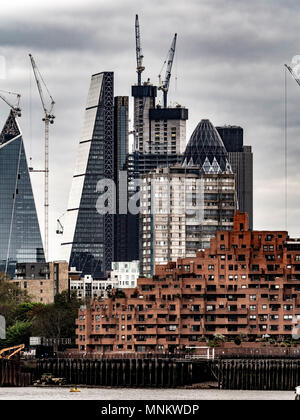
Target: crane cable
285,151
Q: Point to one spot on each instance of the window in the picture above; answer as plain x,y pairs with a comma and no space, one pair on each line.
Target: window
252,297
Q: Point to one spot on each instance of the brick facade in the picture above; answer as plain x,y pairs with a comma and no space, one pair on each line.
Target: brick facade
247,282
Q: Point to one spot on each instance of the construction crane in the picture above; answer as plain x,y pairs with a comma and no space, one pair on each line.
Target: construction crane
139,55
286,137
293,74
164,85
60,228
48,119
15,108
13,349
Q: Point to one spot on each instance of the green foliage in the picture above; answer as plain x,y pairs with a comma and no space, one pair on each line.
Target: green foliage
25,318
57,320
17,333
10,297
219,337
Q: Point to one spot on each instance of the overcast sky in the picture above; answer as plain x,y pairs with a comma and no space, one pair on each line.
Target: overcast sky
228,67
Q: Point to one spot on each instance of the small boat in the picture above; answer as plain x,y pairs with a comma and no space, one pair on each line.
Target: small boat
74,390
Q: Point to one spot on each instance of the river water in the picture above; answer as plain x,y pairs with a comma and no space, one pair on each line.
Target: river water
63,393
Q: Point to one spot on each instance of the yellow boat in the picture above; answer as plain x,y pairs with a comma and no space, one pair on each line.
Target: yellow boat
74,390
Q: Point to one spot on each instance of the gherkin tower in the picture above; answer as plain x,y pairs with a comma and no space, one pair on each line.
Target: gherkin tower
206,150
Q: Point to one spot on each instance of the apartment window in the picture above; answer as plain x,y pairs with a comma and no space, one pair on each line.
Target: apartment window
252,297
263,327
252,317
288,327
274,327
252,307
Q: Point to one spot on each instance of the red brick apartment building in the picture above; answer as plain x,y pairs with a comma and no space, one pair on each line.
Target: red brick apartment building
247,282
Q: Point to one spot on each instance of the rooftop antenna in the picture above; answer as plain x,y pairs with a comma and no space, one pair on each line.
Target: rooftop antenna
48,118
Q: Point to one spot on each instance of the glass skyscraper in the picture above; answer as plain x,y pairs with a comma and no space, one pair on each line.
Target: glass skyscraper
241,160
20,238
88,235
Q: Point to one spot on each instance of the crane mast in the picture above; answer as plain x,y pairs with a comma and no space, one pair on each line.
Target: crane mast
164,86
139,56
48,119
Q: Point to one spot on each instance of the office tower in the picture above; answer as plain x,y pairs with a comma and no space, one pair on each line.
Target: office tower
206,150
89,235
181,210
241,159
20,237
121,244
160,140
167,130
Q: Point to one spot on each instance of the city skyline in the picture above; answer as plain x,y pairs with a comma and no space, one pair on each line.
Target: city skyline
227,72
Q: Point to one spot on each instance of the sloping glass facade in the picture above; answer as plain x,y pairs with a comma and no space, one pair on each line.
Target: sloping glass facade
20,238
206,150
88,236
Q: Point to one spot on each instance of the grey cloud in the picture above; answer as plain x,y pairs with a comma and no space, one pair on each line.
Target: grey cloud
228,64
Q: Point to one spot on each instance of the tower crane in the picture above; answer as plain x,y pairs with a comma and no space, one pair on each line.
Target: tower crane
164,85
15,108
139,56
293,74
286,137
60,228
48,119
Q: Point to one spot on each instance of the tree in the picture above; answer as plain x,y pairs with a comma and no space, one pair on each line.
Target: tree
10,297
18,333
57,320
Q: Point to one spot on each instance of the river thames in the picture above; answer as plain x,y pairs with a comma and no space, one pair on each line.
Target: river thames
63,393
